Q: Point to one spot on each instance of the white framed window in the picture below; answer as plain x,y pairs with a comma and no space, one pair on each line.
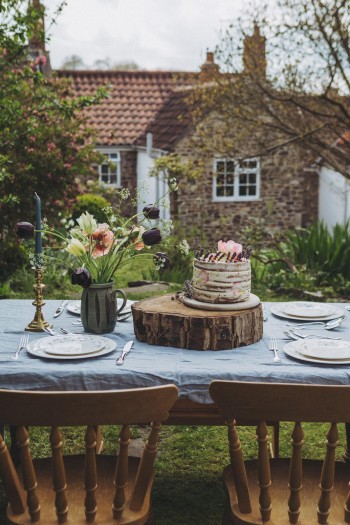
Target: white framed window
236,180
109,171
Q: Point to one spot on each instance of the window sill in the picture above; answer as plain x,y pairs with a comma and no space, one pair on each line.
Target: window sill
236,199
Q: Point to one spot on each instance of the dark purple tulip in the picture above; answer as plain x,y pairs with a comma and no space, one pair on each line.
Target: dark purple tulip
151,211
25,230
161,260
151,237
82,277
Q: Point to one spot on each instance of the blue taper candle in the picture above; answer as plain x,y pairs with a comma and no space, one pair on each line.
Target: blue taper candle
38,245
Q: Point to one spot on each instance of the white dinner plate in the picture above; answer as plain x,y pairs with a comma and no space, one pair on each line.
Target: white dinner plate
307,309
326,349
75,344
45,348
74,307
296,348
278,310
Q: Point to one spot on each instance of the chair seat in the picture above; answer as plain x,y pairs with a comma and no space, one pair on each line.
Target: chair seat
309,494
74,466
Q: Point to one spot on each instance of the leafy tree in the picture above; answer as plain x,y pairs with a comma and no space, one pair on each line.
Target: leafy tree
73,62
44,145
301,99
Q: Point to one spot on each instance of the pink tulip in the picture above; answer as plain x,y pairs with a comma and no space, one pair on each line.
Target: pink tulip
104,239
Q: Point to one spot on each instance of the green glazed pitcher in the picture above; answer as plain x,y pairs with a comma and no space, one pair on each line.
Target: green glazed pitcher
99,308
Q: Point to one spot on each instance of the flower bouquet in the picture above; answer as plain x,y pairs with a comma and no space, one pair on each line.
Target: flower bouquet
98,251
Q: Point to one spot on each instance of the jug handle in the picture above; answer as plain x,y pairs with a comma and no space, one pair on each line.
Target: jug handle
122,293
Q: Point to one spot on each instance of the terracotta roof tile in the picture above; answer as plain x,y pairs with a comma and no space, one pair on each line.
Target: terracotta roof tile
170,122
135,97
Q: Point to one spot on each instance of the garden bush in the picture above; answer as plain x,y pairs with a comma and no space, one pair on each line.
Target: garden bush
309,259
94,204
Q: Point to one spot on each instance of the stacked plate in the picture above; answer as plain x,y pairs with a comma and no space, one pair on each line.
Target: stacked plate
321,351
74,307
74,346
307,311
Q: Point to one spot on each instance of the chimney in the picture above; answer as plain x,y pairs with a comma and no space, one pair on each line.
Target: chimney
37,53
254,54
209,69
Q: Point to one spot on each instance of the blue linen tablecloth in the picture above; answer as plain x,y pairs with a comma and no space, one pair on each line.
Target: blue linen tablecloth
190,370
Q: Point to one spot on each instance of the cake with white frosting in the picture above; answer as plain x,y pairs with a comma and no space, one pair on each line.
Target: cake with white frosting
223,276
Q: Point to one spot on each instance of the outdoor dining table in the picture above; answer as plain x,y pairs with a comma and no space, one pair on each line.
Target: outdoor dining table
149,365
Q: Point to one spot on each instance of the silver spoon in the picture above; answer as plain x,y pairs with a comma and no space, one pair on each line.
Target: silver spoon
330,325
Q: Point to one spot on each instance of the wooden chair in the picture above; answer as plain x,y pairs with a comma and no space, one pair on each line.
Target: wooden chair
282,491
83,490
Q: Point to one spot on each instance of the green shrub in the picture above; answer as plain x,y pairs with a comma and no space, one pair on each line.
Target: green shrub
310,259
94,204
12,257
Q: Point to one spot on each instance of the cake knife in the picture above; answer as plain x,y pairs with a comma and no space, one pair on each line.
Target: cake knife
60,308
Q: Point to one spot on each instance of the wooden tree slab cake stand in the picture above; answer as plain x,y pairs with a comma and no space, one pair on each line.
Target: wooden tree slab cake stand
166,321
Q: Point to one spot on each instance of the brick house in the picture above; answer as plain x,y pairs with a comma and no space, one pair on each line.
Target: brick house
146,115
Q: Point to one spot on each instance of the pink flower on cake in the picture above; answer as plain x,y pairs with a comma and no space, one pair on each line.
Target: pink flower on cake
230,247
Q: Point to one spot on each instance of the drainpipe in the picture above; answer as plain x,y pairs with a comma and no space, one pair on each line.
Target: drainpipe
149,144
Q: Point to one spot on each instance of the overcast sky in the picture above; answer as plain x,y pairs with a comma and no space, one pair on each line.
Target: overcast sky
156,34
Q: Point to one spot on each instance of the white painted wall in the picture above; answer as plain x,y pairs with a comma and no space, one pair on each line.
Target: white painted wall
334,198
152,188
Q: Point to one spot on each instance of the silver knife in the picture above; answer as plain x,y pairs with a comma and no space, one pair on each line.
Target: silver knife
125,351
60,308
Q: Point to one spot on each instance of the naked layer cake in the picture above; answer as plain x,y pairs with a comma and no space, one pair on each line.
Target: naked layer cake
223,276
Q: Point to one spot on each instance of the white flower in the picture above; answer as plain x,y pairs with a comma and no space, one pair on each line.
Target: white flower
166,227
173,184
183,247
76,248
87,223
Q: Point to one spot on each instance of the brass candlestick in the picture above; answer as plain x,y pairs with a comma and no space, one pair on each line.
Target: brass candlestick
38,324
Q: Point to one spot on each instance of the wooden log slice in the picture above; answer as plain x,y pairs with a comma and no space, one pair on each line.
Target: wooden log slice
165,321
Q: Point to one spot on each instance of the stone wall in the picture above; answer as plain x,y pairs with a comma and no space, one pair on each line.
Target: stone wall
288,198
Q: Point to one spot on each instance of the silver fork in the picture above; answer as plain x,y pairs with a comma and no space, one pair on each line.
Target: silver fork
22,344
274,348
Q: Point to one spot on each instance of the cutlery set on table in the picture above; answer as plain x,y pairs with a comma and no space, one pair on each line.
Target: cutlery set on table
312,347
64,344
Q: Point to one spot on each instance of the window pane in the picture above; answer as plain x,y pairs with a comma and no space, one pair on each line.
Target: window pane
248,164
114,156
229,191
229,179
230,166
220,191
113,178
104,178
242,191
220,180
252,190
220,167
104,169
252,178
243,178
